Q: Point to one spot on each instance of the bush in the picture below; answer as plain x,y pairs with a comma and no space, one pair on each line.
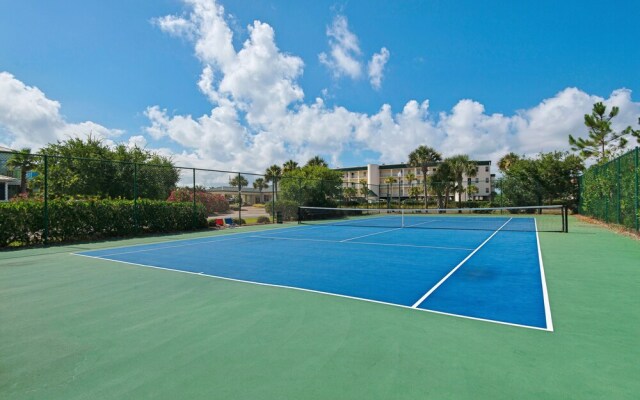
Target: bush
288,208
239,221
22,223
263,219
213,203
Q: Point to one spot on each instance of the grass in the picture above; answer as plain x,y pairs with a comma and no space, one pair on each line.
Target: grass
77,328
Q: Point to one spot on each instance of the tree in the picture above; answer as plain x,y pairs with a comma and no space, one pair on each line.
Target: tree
507,161
410,177
24,161
548,178
462,165
472,190
260,184
442,182
364,188
317,161
349,193
238,181
603,143
89,167
312,185
289,166
422,158
273,174
414,192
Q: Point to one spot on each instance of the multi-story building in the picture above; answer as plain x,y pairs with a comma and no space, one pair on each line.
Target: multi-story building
379,183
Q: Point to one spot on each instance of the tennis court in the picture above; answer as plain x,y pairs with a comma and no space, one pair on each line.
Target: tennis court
486,267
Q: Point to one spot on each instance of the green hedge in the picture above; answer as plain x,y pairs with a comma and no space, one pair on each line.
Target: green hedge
22,222
288,208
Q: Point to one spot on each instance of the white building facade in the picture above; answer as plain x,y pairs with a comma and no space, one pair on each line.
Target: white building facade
379,183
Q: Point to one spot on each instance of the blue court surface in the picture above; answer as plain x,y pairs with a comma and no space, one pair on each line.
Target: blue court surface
494,275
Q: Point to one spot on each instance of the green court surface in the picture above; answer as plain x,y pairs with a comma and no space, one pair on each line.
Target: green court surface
79,328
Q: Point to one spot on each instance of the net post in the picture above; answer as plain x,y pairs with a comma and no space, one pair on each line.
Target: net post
299,215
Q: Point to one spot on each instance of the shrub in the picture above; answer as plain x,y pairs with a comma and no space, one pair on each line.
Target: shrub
288,208
239,221
263,219
213,203
23,222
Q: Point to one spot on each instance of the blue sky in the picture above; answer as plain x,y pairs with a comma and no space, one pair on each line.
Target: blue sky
481,78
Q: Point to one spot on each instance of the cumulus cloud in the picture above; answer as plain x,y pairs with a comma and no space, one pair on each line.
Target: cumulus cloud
343,58
376,67
260,81
259,116
29,119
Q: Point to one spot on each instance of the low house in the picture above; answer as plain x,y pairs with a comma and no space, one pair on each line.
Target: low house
250,196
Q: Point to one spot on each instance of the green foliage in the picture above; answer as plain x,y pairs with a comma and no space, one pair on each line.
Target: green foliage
311,185
91,168
550,178
25,162
263,219
603,143
22,223
238,181
610,191
289,166
442,183
260,184
461,165
316,161
422,158
288,208
212,202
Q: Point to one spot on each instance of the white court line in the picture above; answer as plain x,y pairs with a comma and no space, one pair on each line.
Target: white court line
318,292
365,243
437,285
171,247
388,230
198,238
545,295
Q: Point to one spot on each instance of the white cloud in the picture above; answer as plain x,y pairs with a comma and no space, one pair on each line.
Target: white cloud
29,119
343,58
259,116
376,67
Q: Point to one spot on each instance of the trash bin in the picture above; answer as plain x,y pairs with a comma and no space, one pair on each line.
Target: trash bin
279,217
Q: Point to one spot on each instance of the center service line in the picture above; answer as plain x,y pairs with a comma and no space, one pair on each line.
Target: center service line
437,285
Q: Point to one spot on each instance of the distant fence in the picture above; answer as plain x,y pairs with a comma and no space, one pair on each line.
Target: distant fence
610,192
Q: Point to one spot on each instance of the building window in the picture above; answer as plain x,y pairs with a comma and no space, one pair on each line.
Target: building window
477,180
468,181
486,180
486,190
486,169
352,174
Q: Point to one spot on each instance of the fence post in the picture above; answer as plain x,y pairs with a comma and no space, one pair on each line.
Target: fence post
637,191
273,200
618,179
194,198
239,200
46,200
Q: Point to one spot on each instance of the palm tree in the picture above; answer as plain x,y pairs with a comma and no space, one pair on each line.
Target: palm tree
238,181
442,183
348,193
422,158
289,166
507,161
462,165
25,162
472,190
273,174
364,188
317,161
390,180
260,184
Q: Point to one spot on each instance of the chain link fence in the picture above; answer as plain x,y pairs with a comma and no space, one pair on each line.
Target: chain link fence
610,192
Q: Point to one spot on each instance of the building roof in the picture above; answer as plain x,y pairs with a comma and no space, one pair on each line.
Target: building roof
234,189
399,166
10,180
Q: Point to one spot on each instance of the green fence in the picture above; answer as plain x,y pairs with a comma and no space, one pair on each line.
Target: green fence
610,192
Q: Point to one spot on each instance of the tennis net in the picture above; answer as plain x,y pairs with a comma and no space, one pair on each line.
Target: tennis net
528,219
